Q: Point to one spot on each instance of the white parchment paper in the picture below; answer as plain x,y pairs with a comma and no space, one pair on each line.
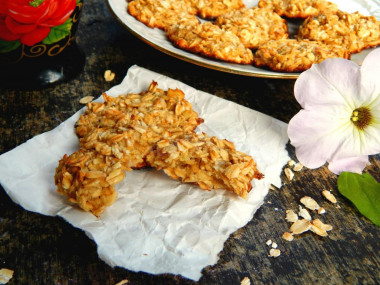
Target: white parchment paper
157,225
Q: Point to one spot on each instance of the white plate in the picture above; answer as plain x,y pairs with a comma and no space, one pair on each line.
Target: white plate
157,38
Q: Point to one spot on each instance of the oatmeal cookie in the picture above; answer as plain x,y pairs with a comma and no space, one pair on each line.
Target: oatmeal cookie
290,55
209,9
210,41
209,162
353,31
129,125
254,26
299,8
87,178
116,136
162,13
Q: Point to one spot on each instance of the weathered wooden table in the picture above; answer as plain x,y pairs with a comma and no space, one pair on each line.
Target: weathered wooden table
47,250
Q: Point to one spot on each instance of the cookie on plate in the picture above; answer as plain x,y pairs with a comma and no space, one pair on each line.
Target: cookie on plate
353,31
290,55
161,13
210,41
299,8
209,9
254,26
209,162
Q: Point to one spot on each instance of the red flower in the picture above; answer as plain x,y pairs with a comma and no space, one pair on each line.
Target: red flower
30,21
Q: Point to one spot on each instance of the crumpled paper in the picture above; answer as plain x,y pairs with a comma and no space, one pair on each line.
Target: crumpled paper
157,225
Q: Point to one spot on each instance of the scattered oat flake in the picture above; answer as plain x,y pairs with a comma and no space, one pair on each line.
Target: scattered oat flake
300,226
318,231
274,252
86,99
291,216
291,163
288,236
309,203
5,275
318,223
123,282
245,281
272,187
297,167
274,245
327,194
109,75
321,210
269,242
289,173
304,213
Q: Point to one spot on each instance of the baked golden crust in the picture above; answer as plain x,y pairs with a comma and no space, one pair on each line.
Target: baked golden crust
209,162
299,8
162,13
116,136
211,41
129,125
87,178
209,9
290,55
353,31
254,26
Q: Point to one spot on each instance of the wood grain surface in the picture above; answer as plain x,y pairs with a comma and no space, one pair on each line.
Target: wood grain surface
47,250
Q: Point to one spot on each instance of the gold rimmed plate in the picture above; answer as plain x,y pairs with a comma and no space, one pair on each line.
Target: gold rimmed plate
157,38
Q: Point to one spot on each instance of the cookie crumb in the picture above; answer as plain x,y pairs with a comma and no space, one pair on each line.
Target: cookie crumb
245,281
86,100
274,252
5,275
329,196
109,75
289,173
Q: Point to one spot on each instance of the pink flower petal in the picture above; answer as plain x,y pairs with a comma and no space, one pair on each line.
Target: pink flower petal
318,136
370,71
328,83
349,164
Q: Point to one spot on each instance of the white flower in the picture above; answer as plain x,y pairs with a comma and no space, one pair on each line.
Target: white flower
340,119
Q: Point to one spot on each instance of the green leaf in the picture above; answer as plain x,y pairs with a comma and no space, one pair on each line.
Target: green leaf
7,46
58,33
363,191
36,3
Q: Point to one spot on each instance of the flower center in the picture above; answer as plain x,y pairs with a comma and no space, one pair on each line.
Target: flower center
36,3
361,117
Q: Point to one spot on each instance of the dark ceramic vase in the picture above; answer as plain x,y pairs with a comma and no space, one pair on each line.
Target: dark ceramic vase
37,43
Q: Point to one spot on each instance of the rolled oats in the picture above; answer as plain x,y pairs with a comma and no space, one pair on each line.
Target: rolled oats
209,40
309,203
291,216
254,26
299,8
274,252
289,173
210,162
5,275
245,281
291,55
86,99
300,226
352,31
288,236
161,14
329,196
